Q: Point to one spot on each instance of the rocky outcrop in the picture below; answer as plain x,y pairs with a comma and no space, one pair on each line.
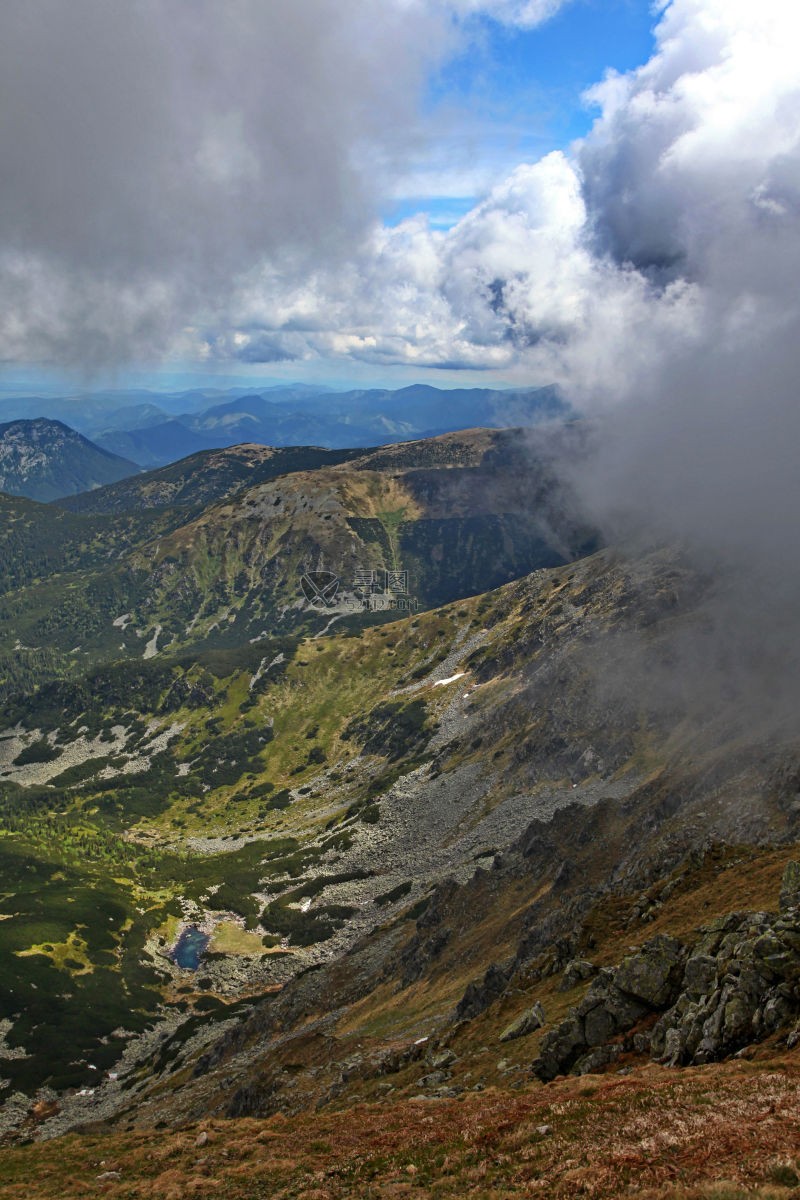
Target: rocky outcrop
737,984
615,1002
576,971
741,984
481,993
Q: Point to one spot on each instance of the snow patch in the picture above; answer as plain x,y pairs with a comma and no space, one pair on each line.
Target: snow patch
450,679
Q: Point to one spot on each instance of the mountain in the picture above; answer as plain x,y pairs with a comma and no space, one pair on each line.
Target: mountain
440,518
318,879
44,460
202,478
155,429
298,415
421,855
155,445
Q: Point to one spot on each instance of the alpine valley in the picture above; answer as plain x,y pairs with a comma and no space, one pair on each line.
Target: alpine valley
358,837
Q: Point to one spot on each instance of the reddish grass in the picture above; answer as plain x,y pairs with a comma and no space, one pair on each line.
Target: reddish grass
712,1133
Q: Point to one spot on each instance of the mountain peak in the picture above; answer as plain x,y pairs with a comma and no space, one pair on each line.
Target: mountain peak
44,459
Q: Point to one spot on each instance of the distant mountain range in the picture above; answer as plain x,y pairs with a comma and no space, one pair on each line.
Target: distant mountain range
45,460
153,430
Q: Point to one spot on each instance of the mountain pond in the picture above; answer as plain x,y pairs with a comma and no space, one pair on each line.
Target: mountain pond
189,948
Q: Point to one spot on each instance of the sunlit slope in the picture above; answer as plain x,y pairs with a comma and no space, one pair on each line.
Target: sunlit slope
449,517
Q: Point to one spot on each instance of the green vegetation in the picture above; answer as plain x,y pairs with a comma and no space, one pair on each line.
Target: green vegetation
393,729
37,752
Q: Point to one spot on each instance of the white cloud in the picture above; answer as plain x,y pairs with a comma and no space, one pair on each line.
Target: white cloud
152,152
524,13
674,225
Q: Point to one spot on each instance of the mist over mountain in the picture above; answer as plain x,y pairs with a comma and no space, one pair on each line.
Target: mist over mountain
400,784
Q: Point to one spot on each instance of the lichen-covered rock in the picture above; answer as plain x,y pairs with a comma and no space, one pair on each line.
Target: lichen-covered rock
595,1060
527,1022
653,974
560,1048
741,982
700,974
742,986
575,972
790,886
604,1012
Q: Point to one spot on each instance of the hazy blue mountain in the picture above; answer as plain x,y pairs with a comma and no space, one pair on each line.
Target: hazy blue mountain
156,429
158,445
45,460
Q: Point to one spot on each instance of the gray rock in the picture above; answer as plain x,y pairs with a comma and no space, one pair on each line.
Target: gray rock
790,886
527,1022
433,1079
575,972
595,1060
700,974
653,975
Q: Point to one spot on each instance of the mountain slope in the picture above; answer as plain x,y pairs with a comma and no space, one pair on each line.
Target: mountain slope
301,416
203,478
416,528
45,460
438,815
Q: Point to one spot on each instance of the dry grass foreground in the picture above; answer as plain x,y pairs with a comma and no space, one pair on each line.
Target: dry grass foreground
725,1131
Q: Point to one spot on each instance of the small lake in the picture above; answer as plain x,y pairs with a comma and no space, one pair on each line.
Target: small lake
189,948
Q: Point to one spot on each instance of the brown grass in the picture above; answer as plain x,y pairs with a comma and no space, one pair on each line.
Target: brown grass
713,1133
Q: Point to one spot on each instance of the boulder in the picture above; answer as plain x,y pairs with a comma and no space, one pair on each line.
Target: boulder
527,1022
479,995
654,973
575,972
700,974
790,886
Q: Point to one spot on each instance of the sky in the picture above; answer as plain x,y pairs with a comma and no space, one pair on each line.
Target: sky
588,193
500,192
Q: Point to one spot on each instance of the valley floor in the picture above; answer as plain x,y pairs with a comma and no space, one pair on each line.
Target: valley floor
718,1132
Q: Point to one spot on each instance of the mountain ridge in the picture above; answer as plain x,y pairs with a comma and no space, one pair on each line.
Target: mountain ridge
45,460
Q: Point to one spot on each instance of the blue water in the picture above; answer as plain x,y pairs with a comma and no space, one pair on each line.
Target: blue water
189,948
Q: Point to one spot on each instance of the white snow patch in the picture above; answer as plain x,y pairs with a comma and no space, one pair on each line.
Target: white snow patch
450,679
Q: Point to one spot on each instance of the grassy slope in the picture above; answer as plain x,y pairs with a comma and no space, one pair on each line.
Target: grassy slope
446,510
316,714
725,1130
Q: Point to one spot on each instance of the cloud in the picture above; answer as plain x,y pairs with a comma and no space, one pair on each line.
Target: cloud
157,155
190,182
154,151
653,274
524,13
669,236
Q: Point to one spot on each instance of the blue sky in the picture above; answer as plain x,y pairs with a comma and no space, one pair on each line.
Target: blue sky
515,94
230,199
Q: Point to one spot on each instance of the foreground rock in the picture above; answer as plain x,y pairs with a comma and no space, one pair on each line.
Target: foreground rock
738,983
